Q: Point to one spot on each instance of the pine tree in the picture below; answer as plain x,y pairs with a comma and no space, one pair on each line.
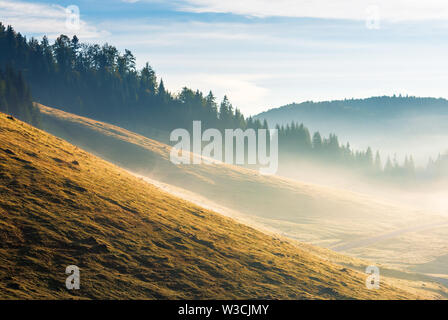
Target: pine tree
378,164
317,141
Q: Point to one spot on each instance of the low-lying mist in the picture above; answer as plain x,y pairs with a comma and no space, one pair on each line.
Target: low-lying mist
395,126
315,204
422,137
432,197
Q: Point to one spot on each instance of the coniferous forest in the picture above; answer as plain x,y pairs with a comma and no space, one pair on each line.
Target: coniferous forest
15,97
104,84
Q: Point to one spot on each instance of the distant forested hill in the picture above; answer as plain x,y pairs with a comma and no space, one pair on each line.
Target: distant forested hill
395,125
363,110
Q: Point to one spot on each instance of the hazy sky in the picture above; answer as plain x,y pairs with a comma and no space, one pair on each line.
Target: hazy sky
265,53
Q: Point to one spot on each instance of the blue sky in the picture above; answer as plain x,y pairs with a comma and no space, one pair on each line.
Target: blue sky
265,53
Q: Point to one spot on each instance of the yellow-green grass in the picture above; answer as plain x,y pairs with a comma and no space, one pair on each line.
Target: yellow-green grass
352,223
60,205
431,286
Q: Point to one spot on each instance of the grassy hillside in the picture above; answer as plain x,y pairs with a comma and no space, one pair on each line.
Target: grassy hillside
60,205
349,222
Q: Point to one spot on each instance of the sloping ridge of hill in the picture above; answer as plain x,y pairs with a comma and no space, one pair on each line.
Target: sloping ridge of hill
323,216
61,206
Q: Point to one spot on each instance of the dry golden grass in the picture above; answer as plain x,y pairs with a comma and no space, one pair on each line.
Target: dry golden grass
322,216
60,205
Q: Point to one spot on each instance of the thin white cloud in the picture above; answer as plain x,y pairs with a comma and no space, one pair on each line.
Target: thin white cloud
38,18
391,10
209,35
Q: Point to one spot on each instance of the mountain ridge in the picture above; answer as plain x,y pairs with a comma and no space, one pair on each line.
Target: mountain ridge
442,103
395,126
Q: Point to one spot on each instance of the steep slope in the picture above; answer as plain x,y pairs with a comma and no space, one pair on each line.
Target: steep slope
331,218
60,205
